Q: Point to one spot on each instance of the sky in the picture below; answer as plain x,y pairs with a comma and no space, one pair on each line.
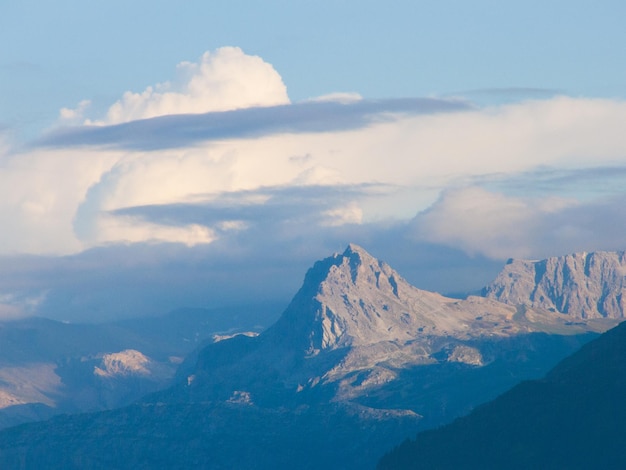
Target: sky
156,155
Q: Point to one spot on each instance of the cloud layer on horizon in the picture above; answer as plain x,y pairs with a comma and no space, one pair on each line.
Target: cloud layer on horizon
219,161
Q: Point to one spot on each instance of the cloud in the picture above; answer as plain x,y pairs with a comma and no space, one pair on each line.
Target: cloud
74,116
5,145
244,199
491,96
222,80
334,114
500,226
339,97
479,221
581,183
39,195
271,207
272,210
417,147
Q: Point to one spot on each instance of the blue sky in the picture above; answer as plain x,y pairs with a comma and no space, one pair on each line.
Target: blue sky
57,54
231,144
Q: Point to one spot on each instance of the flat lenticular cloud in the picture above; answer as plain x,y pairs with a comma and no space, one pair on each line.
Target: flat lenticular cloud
328,114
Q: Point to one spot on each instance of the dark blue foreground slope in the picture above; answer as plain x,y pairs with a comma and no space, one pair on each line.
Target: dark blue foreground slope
574,418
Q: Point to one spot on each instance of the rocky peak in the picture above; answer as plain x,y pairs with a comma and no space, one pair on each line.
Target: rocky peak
353,299
583,285
365,270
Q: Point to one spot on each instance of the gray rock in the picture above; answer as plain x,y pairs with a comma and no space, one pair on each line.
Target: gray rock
580,285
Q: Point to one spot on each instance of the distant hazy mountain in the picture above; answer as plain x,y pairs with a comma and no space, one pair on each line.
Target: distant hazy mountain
359,360
581,285
49,367
574,418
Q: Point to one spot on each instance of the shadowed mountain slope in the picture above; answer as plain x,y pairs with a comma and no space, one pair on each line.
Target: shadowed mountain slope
573,418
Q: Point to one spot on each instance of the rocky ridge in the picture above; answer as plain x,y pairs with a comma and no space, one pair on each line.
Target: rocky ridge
580,285
353,327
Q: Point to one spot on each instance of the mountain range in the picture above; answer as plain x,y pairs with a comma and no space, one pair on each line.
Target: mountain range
358,361
49,367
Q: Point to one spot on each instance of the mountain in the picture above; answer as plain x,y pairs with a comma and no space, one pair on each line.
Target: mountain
49,367
573,418
353,327
581,285
358,361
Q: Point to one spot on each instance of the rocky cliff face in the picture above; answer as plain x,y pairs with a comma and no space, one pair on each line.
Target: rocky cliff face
581,285
353,299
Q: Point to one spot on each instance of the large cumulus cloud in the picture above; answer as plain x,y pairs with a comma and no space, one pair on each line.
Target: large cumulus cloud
222,80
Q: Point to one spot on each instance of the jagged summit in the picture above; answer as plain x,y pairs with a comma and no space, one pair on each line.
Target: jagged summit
354,248
581,285
353,299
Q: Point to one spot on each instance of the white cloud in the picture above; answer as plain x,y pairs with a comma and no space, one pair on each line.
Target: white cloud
112,229
338,97
14,305
480,221
4,144
500,226
39,195
75,116
222,80
348,214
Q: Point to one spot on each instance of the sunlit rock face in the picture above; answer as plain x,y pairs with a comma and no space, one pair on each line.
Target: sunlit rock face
353,299
581,285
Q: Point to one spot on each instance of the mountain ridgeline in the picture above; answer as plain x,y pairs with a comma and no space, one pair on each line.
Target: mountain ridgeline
359,361
581,285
